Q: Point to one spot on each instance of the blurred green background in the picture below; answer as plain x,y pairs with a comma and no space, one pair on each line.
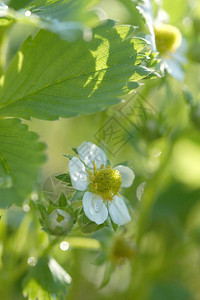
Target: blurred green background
158,132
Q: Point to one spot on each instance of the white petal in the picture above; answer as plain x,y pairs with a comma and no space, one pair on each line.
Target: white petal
127,175
140,190
162,17
118,211
78,174
163,66
180,54
89,152
174,69
94,208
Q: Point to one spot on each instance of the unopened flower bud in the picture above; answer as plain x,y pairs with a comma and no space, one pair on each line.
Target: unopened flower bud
60,222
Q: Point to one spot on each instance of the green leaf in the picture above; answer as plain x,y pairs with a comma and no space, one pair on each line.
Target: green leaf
47,280
51,78
72,13
20,158
68,18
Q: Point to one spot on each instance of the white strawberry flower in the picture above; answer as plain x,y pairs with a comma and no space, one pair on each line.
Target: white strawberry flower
168,41
101,184
164,38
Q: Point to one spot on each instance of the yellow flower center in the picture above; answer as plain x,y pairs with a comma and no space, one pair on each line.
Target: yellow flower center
168,38
106,182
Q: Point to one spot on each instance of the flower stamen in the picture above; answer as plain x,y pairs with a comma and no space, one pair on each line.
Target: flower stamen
168,38
106,182
95,168
91,174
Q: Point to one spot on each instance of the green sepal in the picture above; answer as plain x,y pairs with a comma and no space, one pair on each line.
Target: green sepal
62,200
109,224
77,213
75,150
42,211
65,177
87,226
124,163
78,195
68,156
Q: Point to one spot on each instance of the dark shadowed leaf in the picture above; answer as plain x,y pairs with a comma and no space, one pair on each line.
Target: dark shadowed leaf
20,158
